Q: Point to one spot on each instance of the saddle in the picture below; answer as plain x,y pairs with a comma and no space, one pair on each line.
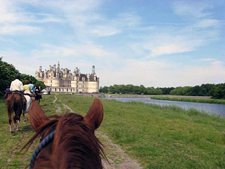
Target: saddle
23,98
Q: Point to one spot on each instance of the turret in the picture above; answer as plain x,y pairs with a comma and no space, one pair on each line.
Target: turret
58,67
93,69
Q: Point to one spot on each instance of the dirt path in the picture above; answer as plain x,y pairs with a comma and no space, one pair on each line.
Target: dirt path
117,158
55,99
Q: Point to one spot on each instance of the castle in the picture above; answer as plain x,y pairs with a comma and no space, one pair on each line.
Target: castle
64,81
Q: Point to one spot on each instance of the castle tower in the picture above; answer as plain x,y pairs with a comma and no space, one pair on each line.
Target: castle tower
58,67
58,70
93,69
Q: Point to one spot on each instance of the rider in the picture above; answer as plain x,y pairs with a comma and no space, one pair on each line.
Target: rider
7,92
37,90
27,86
31,87
27,94
17,87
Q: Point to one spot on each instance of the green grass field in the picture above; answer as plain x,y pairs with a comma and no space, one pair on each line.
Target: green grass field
158,137
161,137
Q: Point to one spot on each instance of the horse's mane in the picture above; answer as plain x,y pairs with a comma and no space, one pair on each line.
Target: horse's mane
74,144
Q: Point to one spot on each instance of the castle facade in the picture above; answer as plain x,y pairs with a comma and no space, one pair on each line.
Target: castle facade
59,80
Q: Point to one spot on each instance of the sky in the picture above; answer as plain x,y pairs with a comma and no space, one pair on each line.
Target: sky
166,43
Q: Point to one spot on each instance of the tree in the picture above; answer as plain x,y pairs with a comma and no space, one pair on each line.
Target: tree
137,90
30,78
112,89
153,91
181,91
166,90
129,89
104,89
218,91
7,75
41,84
143,89
194,91
206,89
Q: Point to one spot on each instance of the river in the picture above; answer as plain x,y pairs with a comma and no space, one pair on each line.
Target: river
215,109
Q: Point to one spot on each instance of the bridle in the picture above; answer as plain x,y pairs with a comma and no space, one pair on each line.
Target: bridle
41,145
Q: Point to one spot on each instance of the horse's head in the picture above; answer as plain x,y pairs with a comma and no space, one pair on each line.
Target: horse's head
74,144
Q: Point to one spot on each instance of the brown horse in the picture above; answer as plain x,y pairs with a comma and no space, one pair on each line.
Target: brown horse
72,141
14,103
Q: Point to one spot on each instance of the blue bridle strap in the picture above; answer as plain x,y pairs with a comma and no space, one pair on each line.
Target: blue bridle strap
41,145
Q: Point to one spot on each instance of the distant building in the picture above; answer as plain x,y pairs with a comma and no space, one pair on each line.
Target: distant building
64,81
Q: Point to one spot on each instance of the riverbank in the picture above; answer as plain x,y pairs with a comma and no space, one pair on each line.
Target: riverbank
197,99
149,96
191,99
102,95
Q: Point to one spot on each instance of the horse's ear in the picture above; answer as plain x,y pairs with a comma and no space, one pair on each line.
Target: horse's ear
37,116
94,117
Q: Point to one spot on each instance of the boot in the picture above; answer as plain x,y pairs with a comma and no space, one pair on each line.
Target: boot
24,107
24,103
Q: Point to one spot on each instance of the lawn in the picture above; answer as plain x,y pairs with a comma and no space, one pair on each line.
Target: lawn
158,137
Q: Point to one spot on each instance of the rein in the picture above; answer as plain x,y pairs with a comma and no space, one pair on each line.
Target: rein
28,94
41,145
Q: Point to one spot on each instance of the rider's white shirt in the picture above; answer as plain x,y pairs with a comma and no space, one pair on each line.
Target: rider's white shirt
16,85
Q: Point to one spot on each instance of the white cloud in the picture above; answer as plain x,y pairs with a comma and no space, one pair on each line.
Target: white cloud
15,20
128,20
217,63
69,6
208,59
21,63
105,31
162,73
208,23
89,50
157,73
170,49
195,9
18,29
164,44
199,30
7,12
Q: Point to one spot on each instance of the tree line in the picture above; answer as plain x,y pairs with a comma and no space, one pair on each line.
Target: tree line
216,91
7,75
